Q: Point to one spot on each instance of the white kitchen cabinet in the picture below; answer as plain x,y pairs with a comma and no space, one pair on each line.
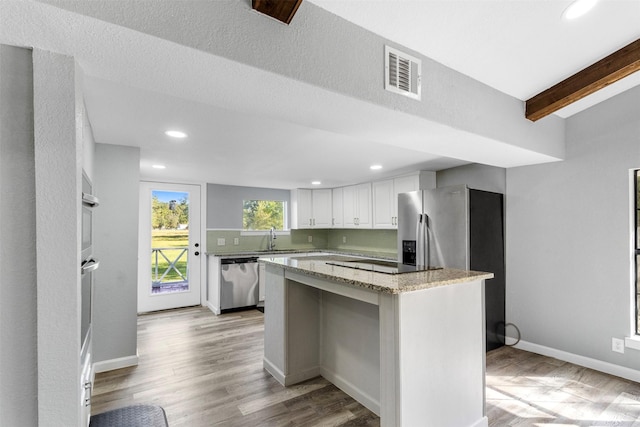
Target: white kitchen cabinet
357,206
311,208
337,206
384,214
385,199
321,207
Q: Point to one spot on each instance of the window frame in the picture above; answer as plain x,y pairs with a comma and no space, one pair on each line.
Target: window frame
285,219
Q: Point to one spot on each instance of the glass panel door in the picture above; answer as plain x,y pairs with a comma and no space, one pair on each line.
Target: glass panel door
169,241
170,252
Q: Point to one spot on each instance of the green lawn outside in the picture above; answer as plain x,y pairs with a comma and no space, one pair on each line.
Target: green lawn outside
169,239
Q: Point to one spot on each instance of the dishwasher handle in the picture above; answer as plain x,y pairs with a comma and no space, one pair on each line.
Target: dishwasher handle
226,261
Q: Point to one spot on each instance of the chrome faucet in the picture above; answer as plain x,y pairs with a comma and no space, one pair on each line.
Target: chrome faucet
271,245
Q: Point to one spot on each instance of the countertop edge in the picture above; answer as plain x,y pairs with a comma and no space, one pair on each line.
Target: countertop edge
459,276
281,252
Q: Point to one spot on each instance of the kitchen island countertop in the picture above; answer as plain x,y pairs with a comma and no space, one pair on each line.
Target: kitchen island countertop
320,266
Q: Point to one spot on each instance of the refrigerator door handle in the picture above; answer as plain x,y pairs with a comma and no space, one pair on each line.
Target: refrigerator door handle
419,242
425,239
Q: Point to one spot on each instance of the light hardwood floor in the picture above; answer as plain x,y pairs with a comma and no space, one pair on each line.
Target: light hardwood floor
206,370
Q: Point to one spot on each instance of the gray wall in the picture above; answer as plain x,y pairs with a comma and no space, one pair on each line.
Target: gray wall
58,125
116,183
479,177
18,364
569,236
224,203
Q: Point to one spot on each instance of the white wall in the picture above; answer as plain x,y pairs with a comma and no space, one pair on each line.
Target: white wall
18,357
116,184
569,237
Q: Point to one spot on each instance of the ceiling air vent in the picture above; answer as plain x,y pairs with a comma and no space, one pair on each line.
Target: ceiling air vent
402,73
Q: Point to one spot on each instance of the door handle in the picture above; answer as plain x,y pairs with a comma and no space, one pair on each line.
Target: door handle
196,253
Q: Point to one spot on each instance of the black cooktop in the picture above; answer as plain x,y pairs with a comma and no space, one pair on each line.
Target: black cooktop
381,266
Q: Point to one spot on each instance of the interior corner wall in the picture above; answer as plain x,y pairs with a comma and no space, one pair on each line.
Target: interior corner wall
18,339
476,176
569,234
116,184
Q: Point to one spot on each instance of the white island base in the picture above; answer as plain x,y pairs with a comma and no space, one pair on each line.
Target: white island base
415,358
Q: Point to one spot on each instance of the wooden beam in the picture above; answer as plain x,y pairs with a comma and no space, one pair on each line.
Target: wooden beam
282,10
608,70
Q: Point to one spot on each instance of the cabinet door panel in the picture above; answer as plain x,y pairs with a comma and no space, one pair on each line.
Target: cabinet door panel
349,203
337,206
383,206
301,206
364,207
321,204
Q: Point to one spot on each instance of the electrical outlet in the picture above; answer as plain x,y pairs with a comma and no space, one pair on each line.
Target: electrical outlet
236,241
310,239
617,345
344,239
221,241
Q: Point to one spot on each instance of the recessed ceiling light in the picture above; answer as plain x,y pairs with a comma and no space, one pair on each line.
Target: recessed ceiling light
375,167
578,8
175,134
316,182
158,166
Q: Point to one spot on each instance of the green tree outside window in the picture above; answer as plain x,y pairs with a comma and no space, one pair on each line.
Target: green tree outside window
262,214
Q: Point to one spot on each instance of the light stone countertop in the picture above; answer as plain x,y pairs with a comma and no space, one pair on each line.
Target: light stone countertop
285,252
318,266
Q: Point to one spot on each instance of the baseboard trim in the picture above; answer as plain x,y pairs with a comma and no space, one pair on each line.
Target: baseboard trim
363,398
301,376
482,422
275,372
212,308
119,363
587,362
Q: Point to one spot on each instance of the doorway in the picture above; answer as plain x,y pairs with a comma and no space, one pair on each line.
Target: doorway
170,251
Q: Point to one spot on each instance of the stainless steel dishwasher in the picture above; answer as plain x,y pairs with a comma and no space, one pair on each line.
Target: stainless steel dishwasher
238,283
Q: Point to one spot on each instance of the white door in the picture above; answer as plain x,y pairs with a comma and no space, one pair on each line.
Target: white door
170,249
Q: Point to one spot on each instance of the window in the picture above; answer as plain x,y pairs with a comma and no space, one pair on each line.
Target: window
263,214
637,248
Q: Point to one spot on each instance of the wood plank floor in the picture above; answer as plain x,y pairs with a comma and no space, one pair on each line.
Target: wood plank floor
206,370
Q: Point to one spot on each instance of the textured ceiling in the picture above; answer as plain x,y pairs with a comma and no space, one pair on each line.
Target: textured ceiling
176,65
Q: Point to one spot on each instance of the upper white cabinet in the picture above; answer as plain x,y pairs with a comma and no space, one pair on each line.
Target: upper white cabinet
321,208
384,214
368,205
311,208
337,207
385,199
357,206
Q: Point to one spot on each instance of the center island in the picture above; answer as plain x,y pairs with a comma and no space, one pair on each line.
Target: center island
410,347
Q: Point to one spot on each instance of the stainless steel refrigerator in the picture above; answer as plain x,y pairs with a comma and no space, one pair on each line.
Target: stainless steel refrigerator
458,227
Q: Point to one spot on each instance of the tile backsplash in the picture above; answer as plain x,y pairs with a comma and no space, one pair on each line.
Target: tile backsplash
383,241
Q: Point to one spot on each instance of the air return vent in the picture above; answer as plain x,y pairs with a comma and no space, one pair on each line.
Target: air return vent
402,73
